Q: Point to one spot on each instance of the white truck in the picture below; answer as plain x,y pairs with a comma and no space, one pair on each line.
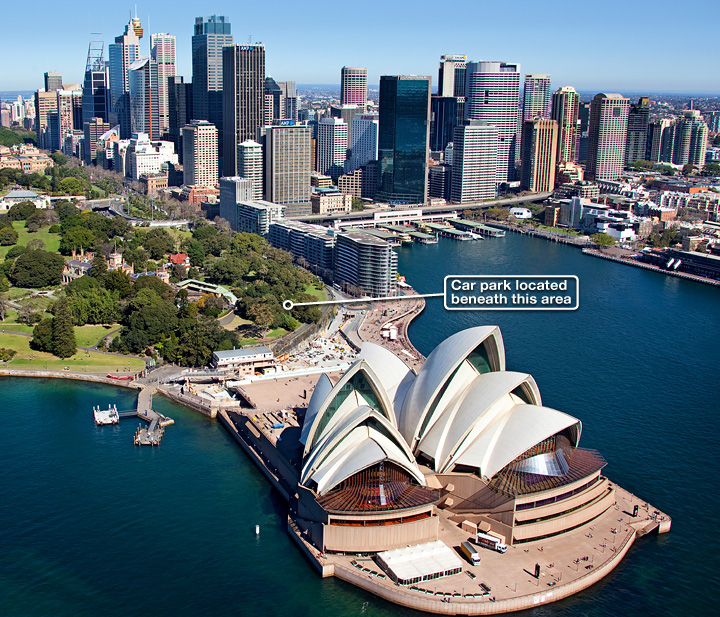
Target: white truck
491,542
470,552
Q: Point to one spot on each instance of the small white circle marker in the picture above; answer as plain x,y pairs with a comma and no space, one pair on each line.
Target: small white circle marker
288,304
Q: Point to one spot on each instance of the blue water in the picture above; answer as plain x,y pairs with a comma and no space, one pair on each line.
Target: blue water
92,525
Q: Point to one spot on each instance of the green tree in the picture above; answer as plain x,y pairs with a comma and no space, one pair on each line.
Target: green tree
158,243
63,334
99,267
8,236
261,313
59,159
196,253
37,269
42,335
118,281
71,186
602,240
21,211
4,306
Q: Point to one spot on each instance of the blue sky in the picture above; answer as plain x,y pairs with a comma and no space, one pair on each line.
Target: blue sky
621,46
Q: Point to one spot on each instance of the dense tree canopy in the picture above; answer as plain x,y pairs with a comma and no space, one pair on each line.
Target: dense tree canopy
37,269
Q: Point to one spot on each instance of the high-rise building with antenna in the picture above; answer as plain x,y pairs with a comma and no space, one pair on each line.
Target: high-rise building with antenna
96,94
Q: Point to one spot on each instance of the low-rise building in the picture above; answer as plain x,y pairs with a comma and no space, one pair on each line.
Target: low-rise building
201,287
245,361
154,183
18,196
330,201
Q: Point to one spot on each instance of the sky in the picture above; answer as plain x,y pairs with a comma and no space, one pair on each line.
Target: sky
607,46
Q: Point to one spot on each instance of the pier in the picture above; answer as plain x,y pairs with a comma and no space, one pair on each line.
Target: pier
153,433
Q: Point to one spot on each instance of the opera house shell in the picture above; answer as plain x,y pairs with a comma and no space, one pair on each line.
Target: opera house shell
384,448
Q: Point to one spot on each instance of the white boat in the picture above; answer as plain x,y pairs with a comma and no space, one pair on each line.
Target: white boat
106,416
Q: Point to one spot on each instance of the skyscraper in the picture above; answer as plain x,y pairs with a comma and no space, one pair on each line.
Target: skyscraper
93,130
539,154
200,150
661,141
162,55
287,168
607,136
96,94
475,145
45,112
691,135
403,138
565,112
637,131
332,143
122,54
364,144
250,166
243,98
53,81
211,34
451,75
446,112
180,110
142,80
536,97
492,95
68,118
353,86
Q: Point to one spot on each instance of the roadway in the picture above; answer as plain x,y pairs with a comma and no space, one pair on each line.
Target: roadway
446,208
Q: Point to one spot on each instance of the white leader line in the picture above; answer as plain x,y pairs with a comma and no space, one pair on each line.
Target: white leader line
289,304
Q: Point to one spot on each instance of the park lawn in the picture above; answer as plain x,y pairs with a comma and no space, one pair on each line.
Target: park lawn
27,358
16,292
248,341
276,333
52,241
237,322
38,303
319,294
89,335
12,324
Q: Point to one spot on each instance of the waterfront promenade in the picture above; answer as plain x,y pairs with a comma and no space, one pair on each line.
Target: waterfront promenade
568,563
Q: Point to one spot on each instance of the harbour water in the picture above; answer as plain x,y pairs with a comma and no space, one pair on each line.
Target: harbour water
91,525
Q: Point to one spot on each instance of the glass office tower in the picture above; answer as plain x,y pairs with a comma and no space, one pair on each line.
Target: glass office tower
403,138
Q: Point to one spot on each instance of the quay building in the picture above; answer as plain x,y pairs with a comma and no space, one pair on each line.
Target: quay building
384,448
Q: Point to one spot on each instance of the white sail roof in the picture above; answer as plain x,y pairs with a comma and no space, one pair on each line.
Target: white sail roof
438,369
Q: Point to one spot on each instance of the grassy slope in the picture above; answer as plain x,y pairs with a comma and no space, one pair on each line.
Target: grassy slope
52,241
94,362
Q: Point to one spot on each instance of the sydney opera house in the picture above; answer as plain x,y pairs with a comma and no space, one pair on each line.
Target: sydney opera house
384,448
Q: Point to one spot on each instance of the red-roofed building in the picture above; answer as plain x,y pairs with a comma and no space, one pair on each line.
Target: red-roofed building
180,259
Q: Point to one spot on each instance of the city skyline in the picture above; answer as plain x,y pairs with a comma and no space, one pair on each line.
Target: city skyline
551,41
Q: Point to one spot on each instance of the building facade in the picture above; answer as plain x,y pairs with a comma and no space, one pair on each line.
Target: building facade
364,143
122,54
287,167
474,168
243,98
179,110
163,57
537,97
565,106
250,165
691,135
365,264
539,155
211,34
353,86
637,130
403,138
492,95
200,147
607,135
451,75
332,144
